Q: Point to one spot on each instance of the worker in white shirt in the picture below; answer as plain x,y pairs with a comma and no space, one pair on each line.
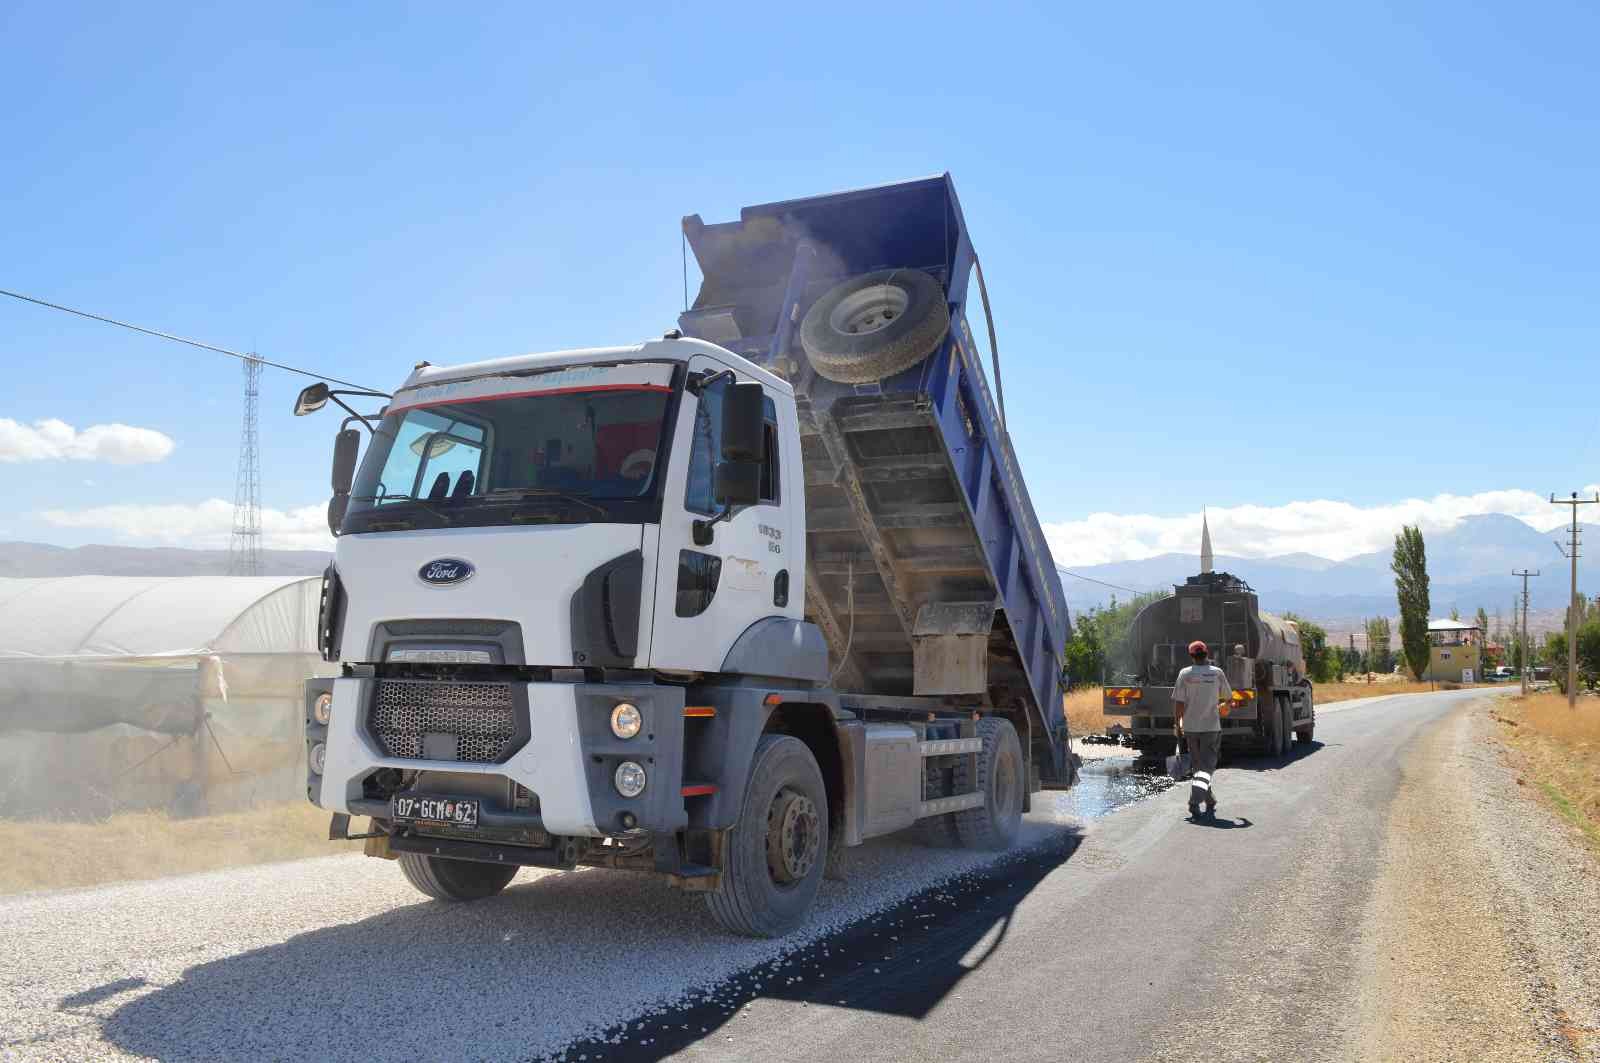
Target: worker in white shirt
1200,688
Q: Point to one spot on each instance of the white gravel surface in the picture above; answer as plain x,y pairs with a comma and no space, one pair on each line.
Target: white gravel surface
338,958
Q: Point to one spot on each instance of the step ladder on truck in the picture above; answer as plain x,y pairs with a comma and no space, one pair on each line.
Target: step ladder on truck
714,606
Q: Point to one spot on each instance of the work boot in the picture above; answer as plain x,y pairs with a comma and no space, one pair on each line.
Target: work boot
1194,810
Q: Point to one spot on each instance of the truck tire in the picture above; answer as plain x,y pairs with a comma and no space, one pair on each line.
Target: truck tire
1272,745
774,856
1309,728
938,832
1001,777
869,328
455,880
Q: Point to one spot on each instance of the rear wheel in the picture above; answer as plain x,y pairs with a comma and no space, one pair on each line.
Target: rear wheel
1305,732
774,856
455,880
1001,776
1272,735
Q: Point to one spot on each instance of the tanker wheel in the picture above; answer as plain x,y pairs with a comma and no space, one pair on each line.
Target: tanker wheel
869,328
1272,744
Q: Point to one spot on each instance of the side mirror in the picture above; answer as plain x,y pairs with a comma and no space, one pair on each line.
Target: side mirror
312,398
736,483
742,435
346,445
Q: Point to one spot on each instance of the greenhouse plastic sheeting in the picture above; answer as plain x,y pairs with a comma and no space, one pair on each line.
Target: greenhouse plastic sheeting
185,693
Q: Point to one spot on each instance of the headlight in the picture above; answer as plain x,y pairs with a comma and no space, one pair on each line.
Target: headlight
319,757
625,721
322,708
630,779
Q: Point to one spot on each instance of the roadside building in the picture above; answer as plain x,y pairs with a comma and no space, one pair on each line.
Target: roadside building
1455,651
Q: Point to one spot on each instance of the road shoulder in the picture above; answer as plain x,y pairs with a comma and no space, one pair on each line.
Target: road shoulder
1469,938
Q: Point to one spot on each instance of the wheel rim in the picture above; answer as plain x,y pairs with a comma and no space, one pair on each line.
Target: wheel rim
869,310
793,836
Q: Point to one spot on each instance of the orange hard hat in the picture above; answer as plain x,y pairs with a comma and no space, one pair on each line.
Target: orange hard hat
1197,648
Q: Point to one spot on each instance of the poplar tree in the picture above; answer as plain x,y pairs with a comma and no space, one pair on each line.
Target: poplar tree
1410,567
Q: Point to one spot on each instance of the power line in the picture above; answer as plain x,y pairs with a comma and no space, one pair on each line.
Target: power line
1103,583
181,339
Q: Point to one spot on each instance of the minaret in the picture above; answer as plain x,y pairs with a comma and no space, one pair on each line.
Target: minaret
1205,544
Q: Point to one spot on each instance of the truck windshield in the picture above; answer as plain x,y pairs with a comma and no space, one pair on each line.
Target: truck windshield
568,455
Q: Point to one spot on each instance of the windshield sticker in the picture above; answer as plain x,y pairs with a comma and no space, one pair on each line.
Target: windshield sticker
646,376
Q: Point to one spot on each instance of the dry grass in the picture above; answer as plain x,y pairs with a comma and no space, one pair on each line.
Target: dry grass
42,855
1327,693
1558,750
1083,712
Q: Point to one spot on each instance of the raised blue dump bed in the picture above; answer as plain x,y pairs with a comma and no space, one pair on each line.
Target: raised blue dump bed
915,505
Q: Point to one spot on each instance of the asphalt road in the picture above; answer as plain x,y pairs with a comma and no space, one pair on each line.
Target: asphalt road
1156,938
1119,938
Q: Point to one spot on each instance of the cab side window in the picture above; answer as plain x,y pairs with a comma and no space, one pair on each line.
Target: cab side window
707,446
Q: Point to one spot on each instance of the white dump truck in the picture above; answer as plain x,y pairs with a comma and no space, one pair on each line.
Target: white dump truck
712,606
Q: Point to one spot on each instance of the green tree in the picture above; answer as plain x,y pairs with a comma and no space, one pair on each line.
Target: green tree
1380,658
1455,614
1410,568
1320,658
1483,623
1589,653
1555,655
1099,648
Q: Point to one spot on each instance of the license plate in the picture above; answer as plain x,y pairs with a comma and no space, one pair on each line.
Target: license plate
418,808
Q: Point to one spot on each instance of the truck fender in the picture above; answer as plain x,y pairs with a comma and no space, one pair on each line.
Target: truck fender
744,714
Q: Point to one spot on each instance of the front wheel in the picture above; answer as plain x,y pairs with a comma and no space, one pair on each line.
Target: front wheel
774,856
455,880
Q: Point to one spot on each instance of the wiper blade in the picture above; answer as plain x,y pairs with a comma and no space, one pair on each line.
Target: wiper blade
523,494
429,506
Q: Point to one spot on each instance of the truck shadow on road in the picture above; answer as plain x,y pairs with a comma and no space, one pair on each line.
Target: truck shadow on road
520,974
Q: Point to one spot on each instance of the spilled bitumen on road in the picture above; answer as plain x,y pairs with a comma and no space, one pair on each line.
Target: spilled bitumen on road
900,961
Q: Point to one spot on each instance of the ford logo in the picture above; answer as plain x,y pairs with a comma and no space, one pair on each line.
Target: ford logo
445,571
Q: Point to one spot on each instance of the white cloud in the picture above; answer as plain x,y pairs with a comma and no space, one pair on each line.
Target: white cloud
55,440
207,524
1334,530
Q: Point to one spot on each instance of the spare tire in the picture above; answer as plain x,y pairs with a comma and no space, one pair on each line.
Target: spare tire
871,327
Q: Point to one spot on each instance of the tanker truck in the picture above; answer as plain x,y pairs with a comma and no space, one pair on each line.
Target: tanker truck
1259,652
710,607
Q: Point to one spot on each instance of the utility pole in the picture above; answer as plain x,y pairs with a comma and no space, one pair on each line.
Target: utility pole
1572,600
1526,656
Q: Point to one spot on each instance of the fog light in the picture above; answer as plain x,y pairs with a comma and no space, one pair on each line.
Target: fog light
322,708
319,756
625,721
629,779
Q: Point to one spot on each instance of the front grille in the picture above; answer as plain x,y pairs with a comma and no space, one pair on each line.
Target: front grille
421,720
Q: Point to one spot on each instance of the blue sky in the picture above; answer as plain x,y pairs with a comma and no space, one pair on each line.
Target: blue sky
1244,256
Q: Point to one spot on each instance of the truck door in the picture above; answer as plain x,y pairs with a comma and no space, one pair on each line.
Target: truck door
708,594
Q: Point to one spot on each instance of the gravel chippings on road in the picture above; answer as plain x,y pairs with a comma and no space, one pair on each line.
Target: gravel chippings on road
1542,860
1475,942
338,958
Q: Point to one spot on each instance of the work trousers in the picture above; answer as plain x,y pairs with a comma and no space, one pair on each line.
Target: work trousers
1204,748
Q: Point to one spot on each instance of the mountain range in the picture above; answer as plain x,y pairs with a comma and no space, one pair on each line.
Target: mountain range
1469,565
